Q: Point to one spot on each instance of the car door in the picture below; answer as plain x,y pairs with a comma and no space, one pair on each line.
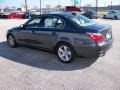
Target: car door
26,34
110,14
48,33
114,13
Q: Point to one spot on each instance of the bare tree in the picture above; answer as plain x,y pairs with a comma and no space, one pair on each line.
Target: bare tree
58,6
48,6
13,8
88,5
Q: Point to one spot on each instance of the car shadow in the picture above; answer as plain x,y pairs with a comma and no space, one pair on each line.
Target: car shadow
111,19
40,59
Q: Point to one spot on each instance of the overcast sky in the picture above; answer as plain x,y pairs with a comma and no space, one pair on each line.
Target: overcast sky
32,3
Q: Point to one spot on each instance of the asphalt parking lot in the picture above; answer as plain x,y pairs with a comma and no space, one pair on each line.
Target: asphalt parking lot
24,68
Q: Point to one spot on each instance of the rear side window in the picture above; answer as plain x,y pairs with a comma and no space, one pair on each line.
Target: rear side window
53,22
81,20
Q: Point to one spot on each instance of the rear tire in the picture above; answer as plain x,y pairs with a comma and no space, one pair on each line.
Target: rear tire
65,53
11,41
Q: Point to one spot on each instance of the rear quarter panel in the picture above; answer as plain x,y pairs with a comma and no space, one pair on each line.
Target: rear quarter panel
73,38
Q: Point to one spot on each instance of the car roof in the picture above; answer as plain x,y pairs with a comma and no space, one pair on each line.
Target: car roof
63,14
115,11
90,11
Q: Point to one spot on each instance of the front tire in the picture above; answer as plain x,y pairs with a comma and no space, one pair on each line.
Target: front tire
115,17
11,41
104,17
65,53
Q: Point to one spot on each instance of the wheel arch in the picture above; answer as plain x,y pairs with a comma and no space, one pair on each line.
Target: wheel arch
63,42
9,34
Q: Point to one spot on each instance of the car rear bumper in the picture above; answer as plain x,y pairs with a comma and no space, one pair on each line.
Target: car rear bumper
103,48
95,50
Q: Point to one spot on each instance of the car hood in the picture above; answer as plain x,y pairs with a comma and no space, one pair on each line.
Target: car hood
95,28
14,29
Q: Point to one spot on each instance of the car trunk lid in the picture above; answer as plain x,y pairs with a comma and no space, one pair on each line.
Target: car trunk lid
105,30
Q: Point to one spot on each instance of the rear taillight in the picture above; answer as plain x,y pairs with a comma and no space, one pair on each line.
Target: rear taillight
96,37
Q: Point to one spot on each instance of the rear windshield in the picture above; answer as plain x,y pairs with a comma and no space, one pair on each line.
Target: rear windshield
81,20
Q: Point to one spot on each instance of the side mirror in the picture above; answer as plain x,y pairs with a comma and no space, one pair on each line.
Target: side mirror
22,25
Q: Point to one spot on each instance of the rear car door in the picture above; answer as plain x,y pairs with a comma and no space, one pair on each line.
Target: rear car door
116,14
51,26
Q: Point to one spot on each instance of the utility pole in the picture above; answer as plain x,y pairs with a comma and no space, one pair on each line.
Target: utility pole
119,7
96,5
80,3
26,5
40,8
111,5
1,4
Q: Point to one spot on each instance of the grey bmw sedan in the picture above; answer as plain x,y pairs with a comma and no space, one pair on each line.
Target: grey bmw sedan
67,34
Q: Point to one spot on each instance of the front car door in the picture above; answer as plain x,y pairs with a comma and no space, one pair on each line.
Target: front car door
111,14
25,35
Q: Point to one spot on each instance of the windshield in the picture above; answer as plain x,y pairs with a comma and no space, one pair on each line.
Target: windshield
81,20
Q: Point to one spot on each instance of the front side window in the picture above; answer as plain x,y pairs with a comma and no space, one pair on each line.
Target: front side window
116,12
81,20
53,23
34,23
111,12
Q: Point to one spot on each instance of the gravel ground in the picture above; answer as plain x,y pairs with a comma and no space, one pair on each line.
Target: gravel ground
24,68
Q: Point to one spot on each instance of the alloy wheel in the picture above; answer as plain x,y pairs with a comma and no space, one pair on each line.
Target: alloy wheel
11,41
64,53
